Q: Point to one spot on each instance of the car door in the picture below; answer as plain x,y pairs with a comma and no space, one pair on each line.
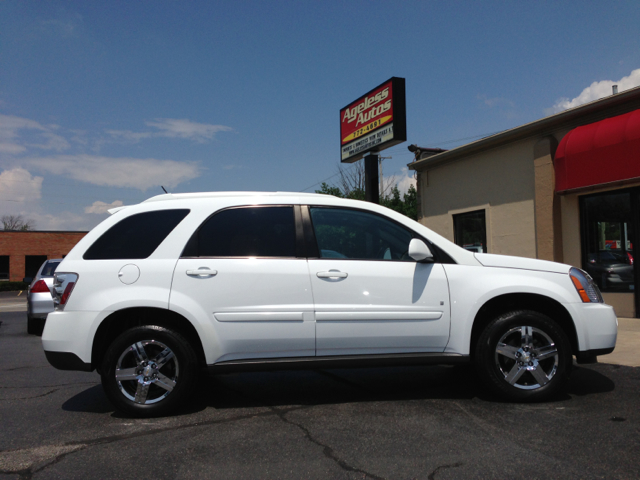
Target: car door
241,273
370,296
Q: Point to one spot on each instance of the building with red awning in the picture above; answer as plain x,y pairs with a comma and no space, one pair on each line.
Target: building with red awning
564,188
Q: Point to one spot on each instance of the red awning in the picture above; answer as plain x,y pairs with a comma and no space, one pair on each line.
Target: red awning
602,152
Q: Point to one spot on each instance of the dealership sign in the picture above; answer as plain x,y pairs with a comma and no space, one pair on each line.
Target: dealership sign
375,121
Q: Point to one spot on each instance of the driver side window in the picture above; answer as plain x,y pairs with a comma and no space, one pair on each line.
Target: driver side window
354,234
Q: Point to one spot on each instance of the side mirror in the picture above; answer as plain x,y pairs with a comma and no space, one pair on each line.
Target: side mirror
419,251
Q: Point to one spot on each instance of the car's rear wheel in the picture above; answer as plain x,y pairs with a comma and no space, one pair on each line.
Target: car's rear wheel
524,356
149,371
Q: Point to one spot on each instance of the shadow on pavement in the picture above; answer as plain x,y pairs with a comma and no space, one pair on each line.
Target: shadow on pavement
324,387
91,400
585,381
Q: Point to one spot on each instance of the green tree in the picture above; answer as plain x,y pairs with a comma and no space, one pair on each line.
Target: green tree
351,185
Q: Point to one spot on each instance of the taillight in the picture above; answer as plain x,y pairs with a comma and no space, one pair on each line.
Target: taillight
40,287
67,291
63,284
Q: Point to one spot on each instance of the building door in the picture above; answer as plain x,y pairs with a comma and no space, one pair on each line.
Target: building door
609,228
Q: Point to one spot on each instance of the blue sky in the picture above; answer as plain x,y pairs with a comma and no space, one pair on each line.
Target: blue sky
103,102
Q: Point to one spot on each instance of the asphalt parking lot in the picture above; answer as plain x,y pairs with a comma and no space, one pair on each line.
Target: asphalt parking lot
387,423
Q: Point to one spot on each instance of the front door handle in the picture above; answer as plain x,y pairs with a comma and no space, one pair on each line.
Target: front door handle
202,273
332,274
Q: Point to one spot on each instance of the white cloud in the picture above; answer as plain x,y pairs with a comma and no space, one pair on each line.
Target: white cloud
595,91
140,173
496,101
10,142
404,181
52,142
173,128
65,26
183,128
19,186
63,221
12,148
102,207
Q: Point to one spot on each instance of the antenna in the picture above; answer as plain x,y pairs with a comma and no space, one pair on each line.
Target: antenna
165,190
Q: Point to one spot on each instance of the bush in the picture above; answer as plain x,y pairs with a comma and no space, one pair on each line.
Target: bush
13,286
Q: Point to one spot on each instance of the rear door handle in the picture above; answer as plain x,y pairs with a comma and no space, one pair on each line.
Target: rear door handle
202,273
332,274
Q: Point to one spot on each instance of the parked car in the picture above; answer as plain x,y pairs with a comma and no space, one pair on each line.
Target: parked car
611,270
246,281
39,296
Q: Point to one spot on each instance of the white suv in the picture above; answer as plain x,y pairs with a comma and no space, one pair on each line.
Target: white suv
281,280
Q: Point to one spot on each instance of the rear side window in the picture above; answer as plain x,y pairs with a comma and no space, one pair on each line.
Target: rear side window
135,237
246,232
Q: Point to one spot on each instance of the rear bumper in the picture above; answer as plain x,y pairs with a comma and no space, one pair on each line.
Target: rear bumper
39,305
69,334
67,361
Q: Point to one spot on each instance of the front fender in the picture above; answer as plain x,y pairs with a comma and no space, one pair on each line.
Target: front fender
472,287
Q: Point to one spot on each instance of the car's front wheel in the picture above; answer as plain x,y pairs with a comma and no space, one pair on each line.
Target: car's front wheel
149,371
524,356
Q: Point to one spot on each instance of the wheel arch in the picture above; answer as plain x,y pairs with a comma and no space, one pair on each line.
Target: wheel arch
524,301
116,323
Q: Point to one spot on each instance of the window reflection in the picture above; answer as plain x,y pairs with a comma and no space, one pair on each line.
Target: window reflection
608,241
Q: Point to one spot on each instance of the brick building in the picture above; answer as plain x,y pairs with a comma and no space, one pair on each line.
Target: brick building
22,253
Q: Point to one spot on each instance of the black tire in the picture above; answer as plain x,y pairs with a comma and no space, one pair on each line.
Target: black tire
524,356
35,326
149,371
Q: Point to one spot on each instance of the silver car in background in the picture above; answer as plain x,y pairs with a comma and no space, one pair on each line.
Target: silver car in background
39,297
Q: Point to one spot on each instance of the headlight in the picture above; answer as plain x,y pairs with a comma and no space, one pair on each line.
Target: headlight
586,287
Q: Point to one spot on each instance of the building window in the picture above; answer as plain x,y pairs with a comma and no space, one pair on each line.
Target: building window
4,267
470,231
607,239
32,264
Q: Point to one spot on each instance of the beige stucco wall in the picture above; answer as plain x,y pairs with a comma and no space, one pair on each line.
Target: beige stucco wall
501,181
515,185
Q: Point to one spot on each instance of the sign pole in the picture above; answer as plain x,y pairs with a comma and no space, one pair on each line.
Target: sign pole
371,181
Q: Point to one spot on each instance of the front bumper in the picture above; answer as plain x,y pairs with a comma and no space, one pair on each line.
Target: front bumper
596,327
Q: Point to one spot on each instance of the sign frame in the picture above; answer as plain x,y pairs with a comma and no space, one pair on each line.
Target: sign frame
372,138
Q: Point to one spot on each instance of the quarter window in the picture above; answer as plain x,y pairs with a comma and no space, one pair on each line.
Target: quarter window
135,237
246,232
354,234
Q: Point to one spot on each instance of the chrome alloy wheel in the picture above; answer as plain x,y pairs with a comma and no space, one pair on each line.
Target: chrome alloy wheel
527,357
147,372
